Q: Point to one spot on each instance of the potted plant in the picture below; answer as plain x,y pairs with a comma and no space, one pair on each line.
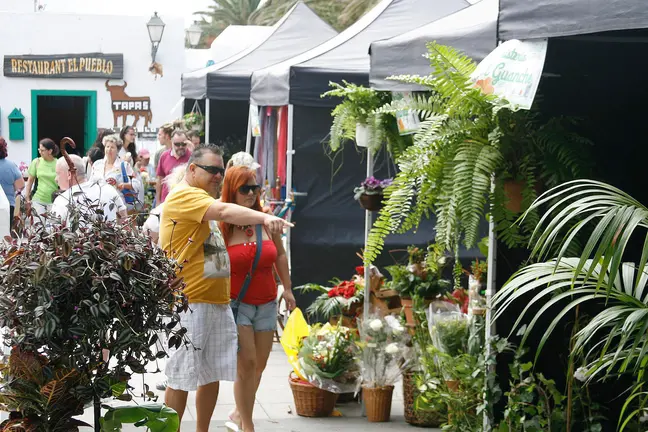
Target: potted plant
370,193
422,277
194,121
466,139
341,301
354,115
85,300
327,359
383,342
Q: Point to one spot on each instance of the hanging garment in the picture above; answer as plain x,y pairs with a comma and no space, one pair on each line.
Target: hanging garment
258,151
282,145
269,138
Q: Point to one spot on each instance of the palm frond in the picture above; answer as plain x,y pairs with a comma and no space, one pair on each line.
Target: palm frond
617,330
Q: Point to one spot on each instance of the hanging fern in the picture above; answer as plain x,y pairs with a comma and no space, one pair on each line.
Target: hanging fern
465,139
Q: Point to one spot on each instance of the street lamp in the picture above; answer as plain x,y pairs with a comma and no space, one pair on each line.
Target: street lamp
155,28
193,34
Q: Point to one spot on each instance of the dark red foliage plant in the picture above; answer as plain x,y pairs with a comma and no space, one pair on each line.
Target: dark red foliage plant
68,293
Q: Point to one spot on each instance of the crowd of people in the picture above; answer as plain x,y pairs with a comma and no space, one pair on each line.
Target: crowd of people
231,247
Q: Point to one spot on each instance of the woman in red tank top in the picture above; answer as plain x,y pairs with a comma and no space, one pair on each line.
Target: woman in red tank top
257,313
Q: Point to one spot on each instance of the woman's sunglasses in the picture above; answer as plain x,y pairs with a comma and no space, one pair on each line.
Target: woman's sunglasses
212,169
246,189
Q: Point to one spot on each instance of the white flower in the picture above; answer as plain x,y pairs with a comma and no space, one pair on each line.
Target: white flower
395,325
581,374
376,324
392,348
423,388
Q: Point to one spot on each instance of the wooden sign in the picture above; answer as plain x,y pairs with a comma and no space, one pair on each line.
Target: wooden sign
93,65
124,105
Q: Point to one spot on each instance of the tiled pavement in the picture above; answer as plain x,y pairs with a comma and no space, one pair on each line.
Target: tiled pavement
274,410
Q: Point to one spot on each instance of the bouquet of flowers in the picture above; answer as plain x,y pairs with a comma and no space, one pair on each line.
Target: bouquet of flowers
328,358
371,186
344,298
449,328
383,344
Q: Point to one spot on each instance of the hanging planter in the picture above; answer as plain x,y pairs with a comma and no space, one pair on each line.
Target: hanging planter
372,202
370,193
362,135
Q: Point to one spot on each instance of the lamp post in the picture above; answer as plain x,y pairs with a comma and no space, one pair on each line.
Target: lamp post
193,34
155,28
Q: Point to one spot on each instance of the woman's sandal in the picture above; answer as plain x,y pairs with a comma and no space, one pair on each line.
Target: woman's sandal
232,427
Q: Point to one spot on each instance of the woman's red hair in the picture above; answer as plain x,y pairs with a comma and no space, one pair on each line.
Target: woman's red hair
235,177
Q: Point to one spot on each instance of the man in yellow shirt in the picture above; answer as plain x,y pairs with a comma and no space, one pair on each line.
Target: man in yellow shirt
189,234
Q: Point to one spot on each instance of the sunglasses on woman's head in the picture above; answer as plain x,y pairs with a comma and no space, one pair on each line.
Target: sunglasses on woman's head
212,169
246,189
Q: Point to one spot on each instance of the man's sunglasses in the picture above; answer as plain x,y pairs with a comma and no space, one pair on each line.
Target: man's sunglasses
212,169
246,189
180,144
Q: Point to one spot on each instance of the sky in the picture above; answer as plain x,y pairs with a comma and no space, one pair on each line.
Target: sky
181,8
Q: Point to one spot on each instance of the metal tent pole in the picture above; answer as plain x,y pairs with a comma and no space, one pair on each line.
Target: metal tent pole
368,223
207,122
289,172
490,291
248,137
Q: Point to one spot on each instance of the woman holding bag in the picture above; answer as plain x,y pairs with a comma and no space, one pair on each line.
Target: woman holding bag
253,254
115,172
41,183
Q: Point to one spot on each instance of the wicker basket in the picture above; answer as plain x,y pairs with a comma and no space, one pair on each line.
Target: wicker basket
412,416
311,401
378,402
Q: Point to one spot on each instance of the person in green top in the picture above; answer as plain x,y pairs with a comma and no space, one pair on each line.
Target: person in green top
42,177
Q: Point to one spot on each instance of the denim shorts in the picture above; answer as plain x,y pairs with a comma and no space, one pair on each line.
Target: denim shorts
261,318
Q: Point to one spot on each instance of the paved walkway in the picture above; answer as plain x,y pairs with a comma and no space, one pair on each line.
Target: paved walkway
274,409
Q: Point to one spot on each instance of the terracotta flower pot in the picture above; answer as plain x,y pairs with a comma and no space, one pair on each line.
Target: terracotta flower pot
378,402
371,202
513,192
409,312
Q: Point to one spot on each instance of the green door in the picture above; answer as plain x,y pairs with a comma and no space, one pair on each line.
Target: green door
89,121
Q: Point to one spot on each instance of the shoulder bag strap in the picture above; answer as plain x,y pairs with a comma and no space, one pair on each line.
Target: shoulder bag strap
257,257
125,178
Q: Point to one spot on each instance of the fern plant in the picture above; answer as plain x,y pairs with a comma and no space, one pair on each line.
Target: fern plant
465,140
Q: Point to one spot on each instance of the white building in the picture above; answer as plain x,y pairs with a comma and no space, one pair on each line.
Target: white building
46,53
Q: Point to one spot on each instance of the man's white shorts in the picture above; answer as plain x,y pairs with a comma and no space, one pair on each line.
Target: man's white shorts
211,328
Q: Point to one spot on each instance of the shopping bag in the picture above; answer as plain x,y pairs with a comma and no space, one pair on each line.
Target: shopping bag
295,330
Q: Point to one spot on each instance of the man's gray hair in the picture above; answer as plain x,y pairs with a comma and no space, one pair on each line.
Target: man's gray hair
179,132
201,150
78,162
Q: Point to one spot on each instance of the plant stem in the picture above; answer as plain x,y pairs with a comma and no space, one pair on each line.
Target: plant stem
570,372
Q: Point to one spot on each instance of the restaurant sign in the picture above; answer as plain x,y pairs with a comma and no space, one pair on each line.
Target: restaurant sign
92,65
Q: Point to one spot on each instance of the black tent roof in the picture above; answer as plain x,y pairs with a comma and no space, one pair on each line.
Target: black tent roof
472,30
298,31
531,19
349,59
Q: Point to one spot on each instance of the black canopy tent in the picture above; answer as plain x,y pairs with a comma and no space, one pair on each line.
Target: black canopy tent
331,228
350,60
555,18
299,30
592,72
472,30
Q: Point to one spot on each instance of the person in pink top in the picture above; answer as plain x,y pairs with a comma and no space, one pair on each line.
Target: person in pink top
177,155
